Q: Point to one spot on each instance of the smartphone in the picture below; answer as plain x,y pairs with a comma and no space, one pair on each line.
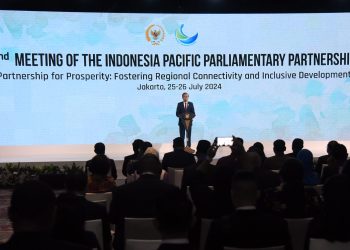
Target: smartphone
224,141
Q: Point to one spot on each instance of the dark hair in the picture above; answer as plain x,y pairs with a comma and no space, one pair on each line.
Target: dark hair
150,163
100,148
240,140
297,145
339,153
32,201
330,146
292,171
145,145
76,182
137,145
203,146
173,212
178,142
259,146
259,149
184,93
244,187
100,165
279,145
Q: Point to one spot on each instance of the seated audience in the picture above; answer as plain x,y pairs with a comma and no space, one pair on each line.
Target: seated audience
76,185
307,159
136,146
276,162
247,227
178,158
297,145
336,162
138,199
333,223
70,222
323,160
99,181
294,200
174,216
194,176
100,149
132,167
32,214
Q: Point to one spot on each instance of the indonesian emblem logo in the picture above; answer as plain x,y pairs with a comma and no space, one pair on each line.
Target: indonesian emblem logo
155,34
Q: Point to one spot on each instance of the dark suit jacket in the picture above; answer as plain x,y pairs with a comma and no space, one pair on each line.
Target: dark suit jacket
113,169
178,159
127,159
136,199
247,229
180,110
37,241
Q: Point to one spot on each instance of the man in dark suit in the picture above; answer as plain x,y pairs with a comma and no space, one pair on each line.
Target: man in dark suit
297,145
185,111
276,162
138,199
336,162
100,149
32,213
247,227
178,158
136,146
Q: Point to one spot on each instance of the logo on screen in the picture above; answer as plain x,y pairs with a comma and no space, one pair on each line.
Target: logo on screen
184,39
155,34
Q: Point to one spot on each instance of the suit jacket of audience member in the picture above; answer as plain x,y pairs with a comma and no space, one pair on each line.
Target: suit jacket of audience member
126,162
267,179
328,172
275,162
226,168
136,199
193,177
320,162
95,211
178,159
113,169
38,241
248,229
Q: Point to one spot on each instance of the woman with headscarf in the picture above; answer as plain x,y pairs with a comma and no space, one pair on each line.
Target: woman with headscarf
306,158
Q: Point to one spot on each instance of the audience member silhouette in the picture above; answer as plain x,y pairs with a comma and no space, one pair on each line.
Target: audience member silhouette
32,213
178,158
333,223
137,147
99,181
70,222
100,149
76,185
297,145
247,227
296,201
336,162
138,199
276,162
258,148
307,159
174,217
323,160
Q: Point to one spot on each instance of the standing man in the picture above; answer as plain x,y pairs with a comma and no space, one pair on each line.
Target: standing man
185,112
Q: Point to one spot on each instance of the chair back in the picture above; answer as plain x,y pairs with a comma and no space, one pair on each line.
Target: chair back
205,226
132,244
175,176
99,198
297,232
141,229
95,226
261,248
323,244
